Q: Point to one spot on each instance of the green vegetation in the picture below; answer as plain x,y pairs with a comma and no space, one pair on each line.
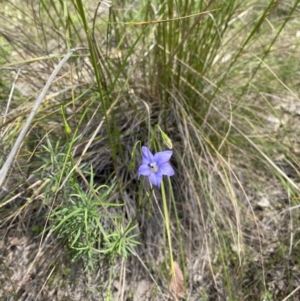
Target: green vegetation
216,81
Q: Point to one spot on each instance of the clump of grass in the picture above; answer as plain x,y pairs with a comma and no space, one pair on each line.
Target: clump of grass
211,75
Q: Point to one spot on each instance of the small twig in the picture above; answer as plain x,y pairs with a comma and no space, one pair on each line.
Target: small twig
12,154
291,294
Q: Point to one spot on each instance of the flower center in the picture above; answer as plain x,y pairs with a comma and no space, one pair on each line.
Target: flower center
153,166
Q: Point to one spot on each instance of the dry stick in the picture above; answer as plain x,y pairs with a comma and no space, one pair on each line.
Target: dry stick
12,154
291,294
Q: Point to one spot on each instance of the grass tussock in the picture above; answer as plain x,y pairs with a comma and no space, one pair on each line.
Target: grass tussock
215,81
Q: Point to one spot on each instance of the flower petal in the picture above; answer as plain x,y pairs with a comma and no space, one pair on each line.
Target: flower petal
166,169
162,157
147,156
155,179
144,170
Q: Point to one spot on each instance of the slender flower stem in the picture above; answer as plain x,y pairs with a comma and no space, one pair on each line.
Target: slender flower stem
167,223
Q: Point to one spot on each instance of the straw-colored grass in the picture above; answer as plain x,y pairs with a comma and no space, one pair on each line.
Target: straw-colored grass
217,82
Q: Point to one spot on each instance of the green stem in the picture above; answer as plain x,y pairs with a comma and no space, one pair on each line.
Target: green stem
167,224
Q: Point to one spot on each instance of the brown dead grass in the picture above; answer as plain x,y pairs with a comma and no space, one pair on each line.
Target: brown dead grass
248,252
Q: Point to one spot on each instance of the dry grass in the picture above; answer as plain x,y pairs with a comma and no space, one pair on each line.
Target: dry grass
233,120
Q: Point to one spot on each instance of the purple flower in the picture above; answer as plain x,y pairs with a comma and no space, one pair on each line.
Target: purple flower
154,167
